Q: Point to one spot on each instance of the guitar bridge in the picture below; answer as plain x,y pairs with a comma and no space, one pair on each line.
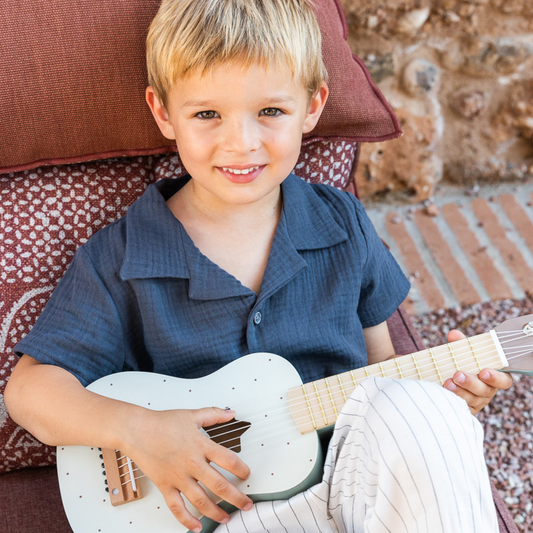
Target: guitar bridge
122,477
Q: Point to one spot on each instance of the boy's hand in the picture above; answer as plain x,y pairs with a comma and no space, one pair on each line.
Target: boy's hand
478,390
171,450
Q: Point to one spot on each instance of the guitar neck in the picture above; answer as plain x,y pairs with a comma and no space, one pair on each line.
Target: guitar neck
317,404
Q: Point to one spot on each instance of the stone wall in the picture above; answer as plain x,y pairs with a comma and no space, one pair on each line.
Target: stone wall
459,76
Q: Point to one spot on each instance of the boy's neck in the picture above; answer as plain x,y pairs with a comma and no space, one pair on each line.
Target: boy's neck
194,201
236,237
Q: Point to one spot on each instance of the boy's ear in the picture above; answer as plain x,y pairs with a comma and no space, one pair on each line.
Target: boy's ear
160,114
316,106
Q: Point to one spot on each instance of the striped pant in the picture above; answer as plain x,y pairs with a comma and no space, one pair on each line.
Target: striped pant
405,456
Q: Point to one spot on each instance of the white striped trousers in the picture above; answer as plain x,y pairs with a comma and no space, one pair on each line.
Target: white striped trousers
405,456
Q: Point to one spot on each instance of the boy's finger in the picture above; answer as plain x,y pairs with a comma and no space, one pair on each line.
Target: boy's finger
473,384
494,378
199,499
177,507
210,416
455,335
220,486
475,403
228,460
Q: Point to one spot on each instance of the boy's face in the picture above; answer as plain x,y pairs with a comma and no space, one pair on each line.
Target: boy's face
238,130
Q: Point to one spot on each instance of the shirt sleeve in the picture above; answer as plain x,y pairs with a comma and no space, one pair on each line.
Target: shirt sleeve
79,329
383,285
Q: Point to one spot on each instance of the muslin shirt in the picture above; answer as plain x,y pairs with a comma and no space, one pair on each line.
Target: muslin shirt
139,295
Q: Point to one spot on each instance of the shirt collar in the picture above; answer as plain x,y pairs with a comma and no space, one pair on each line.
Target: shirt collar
310,224
153,235
158,246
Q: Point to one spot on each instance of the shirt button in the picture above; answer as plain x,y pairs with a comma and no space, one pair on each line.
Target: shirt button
257,318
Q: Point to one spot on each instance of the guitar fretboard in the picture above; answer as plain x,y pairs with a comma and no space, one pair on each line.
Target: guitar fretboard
317,404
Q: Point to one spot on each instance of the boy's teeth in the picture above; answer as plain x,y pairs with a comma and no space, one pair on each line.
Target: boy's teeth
237,171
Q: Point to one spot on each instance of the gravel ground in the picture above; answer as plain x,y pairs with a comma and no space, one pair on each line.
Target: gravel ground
508,418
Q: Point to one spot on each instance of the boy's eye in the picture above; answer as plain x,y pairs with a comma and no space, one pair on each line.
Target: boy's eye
271,111
206,114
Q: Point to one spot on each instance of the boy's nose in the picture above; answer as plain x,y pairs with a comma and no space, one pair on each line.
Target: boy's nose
241,136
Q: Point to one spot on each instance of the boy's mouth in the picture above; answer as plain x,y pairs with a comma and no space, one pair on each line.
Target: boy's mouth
241,175
240,171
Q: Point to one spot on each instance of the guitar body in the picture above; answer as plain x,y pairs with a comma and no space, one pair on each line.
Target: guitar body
282,461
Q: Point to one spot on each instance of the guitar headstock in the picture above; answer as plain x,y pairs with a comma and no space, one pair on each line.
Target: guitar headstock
516,339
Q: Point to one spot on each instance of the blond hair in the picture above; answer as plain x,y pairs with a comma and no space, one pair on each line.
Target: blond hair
194,36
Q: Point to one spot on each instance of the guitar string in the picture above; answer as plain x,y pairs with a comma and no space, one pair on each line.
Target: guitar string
506,336
251,441
293,415
488,344
303,413
336,388
502,334
287,415
305,407
513,351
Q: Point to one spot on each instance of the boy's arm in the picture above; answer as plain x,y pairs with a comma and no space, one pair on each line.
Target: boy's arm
167,445
476,390
378,343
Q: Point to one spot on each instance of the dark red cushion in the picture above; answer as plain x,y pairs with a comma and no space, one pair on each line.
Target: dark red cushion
74,75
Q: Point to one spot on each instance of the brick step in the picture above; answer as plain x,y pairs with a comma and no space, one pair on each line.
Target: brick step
475,249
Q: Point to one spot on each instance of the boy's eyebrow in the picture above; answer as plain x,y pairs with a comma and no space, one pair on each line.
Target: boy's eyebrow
280,99
198,103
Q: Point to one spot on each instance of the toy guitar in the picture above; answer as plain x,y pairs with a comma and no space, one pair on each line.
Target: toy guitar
274,433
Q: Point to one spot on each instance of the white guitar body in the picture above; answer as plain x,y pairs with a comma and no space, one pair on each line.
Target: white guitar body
282,460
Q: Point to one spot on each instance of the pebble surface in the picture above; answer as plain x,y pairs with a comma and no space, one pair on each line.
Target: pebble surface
507,420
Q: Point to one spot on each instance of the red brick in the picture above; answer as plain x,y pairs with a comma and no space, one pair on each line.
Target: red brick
488,274
462,288
518,217
414,263
509,252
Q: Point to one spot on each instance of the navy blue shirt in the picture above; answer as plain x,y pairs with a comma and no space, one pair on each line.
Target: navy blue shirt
139,295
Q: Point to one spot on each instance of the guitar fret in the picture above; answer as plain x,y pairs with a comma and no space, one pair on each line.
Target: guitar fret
342,388
309,407
320,403
474,353
436,366
398,366
366,372
416,366
453,357
382,371
353,378
331,397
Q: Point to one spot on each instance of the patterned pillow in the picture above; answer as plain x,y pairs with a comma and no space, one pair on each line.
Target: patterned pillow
48,212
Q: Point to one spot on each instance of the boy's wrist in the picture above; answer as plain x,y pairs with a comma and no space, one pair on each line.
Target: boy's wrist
124,425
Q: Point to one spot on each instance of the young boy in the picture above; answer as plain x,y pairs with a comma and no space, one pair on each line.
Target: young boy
239,257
